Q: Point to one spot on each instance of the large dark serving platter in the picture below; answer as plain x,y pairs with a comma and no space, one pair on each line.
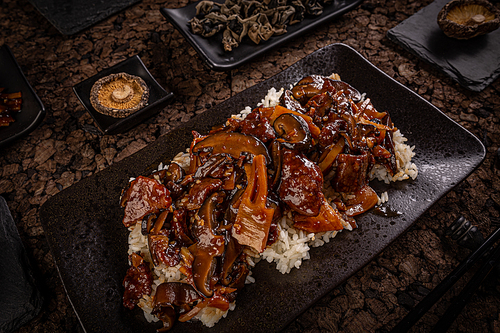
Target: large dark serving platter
89,243
212,52
32,111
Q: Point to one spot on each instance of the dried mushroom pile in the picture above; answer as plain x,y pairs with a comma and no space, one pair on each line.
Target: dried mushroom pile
259,20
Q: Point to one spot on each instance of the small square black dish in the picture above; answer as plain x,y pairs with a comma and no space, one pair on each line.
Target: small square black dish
32,111
70,17
473,63
158,97
212,52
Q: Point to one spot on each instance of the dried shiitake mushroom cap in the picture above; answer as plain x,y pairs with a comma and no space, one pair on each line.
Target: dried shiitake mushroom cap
465,19
119,95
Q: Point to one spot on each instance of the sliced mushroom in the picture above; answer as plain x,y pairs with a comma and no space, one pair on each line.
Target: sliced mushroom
289,102
232,207
330,155
180,228
232,143
349,91
170,294
316,84
159,223
274,113
147,223
307,88
174,173
161,248
277,160
233,251
208,247
293,132
388,144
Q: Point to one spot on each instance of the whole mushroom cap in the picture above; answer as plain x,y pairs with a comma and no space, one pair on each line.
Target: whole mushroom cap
119,95
465,19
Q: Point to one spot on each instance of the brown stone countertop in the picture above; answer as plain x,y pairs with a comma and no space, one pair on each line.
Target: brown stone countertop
67,147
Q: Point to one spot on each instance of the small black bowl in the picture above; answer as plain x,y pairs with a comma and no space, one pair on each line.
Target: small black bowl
158,97
32,111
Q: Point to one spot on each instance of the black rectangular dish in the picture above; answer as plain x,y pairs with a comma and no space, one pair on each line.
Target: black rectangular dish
32,111
71,17
89,242
212,52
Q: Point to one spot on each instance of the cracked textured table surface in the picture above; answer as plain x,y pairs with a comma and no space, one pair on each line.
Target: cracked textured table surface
68,147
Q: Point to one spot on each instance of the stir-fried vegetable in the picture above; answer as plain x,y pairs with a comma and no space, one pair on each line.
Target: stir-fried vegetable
244,177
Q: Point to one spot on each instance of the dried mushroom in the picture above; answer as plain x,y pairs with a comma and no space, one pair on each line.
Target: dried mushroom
465,19
119,95
257,20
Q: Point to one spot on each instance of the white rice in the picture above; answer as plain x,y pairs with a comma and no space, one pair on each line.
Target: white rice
292,246
406,168
272,98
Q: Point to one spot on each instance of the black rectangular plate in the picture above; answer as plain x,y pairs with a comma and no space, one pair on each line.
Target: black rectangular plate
70,17
89,243
158,97
32,113
473,63
212,52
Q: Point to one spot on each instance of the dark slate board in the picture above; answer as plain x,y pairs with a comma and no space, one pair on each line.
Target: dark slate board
20,300
473,63
70,17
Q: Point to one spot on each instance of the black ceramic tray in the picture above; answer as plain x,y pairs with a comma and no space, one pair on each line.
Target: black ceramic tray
70,17
32,113
158,97
473,63
211,50
89,243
